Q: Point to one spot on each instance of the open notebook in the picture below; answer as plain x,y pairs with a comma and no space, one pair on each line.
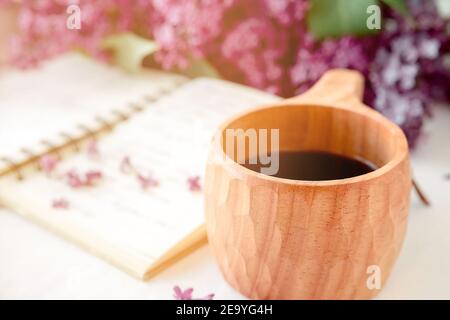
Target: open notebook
161,123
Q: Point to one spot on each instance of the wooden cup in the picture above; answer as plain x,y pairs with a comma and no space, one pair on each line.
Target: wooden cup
276,238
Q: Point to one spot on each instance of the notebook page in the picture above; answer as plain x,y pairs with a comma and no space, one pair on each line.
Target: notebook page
170,141
38,104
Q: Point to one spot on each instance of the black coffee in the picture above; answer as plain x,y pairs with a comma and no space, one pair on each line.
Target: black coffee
315,166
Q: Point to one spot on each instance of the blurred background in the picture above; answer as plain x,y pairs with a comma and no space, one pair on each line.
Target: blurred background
280,46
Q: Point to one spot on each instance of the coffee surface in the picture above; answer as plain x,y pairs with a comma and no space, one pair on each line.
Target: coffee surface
316,166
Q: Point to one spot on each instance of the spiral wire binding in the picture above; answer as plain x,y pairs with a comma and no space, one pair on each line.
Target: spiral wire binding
87,133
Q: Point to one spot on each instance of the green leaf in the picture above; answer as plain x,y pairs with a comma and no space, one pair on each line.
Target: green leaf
129,49
398,5
335,18
201,68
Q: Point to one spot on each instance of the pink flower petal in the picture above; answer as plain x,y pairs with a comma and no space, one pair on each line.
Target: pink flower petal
73,179
48,163
147,182
88,179
93,177
194,184
92,150
60,204
182,295
125,166
208,297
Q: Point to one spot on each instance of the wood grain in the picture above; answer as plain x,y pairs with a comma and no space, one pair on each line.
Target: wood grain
276,238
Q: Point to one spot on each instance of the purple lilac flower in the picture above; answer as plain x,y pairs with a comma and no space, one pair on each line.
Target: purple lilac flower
60,203
43,32
194,184
406,65
408,71
261,43
287,12
185,29
256,47
394,79
313,59
180,294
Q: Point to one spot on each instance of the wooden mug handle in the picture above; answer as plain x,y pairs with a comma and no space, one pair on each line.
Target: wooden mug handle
341,87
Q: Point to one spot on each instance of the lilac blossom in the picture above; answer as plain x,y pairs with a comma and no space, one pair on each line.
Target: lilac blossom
76,180
147,181
261,43
93,151
180,294
194,184
60,203
48,163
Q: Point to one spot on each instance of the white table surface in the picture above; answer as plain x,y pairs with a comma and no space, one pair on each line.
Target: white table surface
39,265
